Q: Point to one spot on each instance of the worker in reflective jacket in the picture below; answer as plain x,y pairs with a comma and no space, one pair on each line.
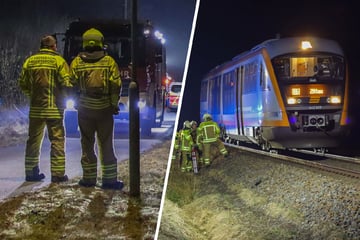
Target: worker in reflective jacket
186,143
45,79
208,137
97,80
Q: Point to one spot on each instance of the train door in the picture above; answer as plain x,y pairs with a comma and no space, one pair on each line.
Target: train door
250,96
229,105
239,87
214,99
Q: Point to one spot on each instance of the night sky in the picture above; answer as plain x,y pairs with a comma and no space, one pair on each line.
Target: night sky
172,18
227,28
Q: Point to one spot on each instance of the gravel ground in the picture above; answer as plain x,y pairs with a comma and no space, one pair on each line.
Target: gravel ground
250,197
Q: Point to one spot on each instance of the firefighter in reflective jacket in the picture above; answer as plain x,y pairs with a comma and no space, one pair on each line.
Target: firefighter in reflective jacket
208,137
186,143
97,80
44,79
193,125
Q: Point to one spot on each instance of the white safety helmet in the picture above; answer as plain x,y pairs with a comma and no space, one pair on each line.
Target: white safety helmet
186,124
207,117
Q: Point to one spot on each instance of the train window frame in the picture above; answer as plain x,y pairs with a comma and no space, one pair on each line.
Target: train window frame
282,66
229,92
251,75
214,94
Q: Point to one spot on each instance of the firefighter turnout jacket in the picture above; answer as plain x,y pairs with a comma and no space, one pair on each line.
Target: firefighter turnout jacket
186,143
44,79
96,77
208,134
97,80
208,131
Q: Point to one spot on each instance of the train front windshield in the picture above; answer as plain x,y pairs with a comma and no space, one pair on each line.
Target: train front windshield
311,79
309,68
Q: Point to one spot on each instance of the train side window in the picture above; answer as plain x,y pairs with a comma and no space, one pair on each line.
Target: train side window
251,75
229,92
214,95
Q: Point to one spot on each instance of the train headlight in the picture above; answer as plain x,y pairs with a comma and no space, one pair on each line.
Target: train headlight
291,101
334,99
70,104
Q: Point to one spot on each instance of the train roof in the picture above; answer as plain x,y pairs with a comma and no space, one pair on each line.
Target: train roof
280,46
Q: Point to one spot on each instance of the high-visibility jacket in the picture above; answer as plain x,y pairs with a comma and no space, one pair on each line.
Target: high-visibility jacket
97,78
186,141
44,79
208,132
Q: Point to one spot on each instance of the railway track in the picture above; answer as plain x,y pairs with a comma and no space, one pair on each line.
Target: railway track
340,165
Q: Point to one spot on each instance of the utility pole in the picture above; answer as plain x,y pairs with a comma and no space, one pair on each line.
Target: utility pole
134,126
126,9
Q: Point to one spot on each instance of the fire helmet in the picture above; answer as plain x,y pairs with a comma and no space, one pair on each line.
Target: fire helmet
207,117
93,38
186,125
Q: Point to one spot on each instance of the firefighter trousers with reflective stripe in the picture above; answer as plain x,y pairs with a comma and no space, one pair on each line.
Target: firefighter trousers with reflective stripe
56,134
186,162
207,147
97,123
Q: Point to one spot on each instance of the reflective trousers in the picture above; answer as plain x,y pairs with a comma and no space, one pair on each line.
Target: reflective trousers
206,148
97,124
56,134
186,162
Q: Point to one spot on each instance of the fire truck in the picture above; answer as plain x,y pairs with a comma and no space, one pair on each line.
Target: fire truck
150,68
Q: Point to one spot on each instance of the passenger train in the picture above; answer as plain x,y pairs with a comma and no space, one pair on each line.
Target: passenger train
285,93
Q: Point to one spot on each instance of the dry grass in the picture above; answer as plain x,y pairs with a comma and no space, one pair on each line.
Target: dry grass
221,202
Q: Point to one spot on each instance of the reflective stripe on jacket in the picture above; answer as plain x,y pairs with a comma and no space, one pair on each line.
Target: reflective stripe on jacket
43,78
208,131
98,81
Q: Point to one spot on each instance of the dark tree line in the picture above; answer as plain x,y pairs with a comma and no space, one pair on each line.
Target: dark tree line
23,22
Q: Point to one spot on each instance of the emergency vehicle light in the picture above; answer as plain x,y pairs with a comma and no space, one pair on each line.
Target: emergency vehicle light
70,104
141,104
